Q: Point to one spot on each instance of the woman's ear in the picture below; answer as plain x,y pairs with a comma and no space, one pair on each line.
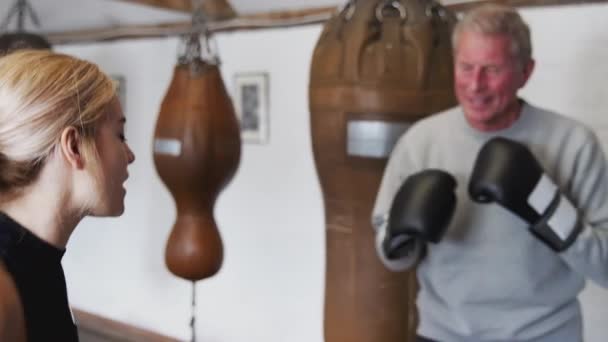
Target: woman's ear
71,147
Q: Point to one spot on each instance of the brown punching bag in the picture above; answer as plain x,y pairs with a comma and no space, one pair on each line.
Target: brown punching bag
378,66
196,153
12,323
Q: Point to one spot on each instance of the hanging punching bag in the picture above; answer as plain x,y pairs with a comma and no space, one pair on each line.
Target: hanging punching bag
12,325
196,153
378,66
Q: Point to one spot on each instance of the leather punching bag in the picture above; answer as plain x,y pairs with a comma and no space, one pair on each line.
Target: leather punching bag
12,323
196,153
378,66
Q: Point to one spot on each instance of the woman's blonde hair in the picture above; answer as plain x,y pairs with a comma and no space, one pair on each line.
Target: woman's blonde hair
498,19
41,94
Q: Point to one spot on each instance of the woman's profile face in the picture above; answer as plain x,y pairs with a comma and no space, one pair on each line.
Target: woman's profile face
114,157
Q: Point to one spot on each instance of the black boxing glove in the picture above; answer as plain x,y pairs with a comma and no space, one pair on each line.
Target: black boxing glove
422,209
507,173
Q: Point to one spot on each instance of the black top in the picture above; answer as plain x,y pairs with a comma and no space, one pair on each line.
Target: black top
35,266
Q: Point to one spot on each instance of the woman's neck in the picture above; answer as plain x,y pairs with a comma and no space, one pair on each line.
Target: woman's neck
43,216
46,207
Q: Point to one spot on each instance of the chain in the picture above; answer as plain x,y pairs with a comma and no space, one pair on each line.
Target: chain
193,317
20,8
191,51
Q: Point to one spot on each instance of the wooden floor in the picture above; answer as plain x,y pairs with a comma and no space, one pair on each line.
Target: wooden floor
94,328
88,336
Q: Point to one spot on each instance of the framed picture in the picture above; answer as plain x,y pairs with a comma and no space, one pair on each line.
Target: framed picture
121,89
251,105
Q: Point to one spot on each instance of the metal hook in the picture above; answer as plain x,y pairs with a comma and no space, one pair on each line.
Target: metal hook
395,5
209,52
433,9
348,9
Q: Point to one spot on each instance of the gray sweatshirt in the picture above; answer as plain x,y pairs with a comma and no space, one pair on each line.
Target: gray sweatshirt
489,278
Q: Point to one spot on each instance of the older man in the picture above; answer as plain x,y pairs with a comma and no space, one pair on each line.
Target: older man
503,205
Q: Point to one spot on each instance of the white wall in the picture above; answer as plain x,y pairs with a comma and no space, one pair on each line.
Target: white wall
270,288
571,76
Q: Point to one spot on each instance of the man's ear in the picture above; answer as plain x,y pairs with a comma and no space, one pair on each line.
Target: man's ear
71,147
527,70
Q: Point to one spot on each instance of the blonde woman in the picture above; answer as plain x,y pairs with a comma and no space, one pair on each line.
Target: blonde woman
63,156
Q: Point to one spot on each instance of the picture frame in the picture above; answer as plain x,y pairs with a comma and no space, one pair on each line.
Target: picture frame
121,89
251,106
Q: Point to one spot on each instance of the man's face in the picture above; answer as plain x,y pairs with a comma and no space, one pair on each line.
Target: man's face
487,78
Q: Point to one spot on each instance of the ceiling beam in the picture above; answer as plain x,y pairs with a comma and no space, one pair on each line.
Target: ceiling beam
214,9
245,22
175,5
256,21
464,6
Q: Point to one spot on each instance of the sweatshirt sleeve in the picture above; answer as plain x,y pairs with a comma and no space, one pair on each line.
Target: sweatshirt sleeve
588,255
397,169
